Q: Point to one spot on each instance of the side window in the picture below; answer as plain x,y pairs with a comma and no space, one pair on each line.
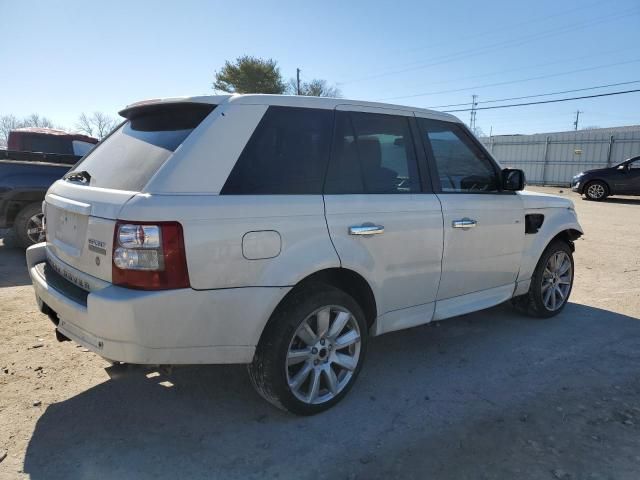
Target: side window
461,165
635,165
372,153
287,154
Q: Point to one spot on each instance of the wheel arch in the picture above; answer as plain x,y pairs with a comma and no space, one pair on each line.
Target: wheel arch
344,279
18,200
568,236
559,224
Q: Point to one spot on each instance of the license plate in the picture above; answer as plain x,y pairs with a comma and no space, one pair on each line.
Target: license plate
68,274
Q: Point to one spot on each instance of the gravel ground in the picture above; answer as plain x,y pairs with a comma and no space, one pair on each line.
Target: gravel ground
488,395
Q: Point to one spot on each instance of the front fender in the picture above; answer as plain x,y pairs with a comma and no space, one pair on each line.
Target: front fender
556,221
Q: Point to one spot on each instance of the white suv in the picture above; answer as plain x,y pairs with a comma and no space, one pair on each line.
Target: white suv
281,232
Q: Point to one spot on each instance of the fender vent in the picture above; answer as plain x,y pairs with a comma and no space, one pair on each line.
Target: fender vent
533,222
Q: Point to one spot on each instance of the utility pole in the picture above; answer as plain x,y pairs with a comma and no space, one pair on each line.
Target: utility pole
472,119
297,81
575,124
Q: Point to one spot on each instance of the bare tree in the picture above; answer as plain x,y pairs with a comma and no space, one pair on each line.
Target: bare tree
97,125
8,123
478,132
313,88
35,120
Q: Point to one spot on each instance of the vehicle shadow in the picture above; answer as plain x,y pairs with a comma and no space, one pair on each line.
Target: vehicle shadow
424,387
12,263
617,200
626,201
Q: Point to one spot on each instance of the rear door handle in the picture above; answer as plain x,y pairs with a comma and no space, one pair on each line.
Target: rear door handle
366,229
464,223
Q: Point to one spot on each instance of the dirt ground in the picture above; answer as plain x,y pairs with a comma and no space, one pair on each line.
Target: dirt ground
488,395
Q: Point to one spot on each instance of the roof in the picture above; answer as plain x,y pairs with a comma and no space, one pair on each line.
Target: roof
57,132
46,131
287,100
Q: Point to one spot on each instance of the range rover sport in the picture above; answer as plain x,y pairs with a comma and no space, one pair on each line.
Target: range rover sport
281,232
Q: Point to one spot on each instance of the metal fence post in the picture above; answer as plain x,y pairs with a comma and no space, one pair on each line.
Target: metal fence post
610,151
544,167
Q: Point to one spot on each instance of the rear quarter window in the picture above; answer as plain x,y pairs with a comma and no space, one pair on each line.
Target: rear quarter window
133,153
286,155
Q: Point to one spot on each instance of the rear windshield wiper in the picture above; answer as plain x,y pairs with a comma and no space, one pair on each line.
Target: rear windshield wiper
83,177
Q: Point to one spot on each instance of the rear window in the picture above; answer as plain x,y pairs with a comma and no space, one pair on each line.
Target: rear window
132,154
48,144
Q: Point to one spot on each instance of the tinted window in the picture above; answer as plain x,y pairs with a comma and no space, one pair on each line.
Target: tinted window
287,154
372,153
128,158
461,165
50,144
635,164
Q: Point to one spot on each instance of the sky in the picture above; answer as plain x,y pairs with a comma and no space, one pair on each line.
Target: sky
61,58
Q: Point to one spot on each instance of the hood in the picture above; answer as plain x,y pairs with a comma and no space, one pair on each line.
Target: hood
544,200
597,170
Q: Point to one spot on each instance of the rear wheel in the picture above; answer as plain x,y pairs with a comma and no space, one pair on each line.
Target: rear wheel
28,225
551,283
311,352
596,190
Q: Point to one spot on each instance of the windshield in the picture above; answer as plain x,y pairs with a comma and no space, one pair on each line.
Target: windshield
129,157
626,162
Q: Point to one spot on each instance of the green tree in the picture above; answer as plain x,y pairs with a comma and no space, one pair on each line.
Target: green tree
249,74
313,88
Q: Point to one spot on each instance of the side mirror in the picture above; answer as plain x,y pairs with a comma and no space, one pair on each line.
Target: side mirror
512,179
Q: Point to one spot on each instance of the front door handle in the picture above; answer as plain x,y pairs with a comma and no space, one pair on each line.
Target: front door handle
366,229
464,223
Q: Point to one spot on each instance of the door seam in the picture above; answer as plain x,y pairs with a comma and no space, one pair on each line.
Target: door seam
326,222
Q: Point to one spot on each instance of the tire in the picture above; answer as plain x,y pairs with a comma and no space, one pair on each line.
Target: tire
537,302
286,340
596,190
26,222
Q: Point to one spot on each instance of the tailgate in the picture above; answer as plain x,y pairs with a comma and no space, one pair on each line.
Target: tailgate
80,224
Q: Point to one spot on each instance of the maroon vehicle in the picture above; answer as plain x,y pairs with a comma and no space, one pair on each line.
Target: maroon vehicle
35,158
49,141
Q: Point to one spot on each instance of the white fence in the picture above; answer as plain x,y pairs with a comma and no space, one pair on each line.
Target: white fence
552,159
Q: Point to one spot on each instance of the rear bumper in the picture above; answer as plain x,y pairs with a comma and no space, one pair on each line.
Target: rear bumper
182,326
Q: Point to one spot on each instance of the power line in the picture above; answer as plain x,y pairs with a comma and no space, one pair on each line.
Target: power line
530,66
540,94
460,55
510,82
546,101
513,26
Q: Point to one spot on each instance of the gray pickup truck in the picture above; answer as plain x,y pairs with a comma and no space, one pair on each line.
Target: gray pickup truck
36,158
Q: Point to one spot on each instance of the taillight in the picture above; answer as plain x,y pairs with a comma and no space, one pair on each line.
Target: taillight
149,256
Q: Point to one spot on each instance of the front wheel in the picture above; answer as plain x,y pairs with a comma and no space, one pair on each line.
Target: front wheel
551,282
311,351
596,190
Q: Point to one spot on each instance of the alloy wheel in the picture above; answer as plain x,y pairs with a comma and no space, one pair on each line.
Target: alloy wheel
596,191
323,354
556,281
35,228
